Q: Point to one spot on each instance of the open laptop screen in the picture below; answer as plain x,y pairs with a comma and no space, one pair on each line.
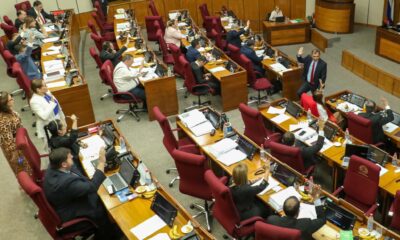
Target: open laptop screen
352,149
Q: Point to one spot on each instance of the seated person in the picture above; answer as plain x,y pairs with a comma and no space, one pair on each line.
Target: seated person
200,77
60,138
259,41
15,40
19,21
378,119
308,153
245,196
31,33
38,13
192,52
127,79
275,13
73,195
233,36
248,50
172,34
27,63
291,207
109,53
323,111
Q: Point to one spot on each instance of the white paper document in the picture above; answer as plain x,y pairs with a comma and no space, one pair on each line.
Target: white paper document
202,129
389,127
120,16
52,39
94,144
299,125
217,69
49,53
231,157
123,26
222,147
259,53
56,84
53,66
182,24
348,107
148,227
272,183
307,211
382,171
173,16
277,199
274,110
53,76
160,236
306,134
278,67
131,49
280,118
192,118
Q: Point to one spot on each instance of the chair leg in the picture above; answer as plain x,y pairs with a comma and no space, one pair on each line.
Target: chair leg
203,210
18,91
198,104
25,108
108,94
259,99
132,110
171,183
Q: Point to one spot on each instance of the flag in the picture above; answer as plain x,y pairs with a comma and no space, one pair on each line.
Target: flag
390,11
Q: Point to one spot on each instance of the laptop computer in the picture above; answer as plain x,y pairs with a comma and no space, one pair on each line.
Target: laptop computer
293,109
378,156
214,118
283,175
108,135
357,100
339,216
280,19
246,147
396,119
160,71
358,150
216,53
120,180
329,132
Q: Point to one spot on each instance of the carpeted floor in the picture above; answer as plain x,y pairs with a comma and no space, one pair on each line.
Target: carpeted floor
17,212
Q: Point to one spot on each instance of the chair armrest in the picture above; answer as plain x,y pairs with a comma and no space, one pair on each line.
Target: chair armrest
372,209
249,221
274,137
44,155
125,94
379,144
391,210
73,222
337,191
201,85
153,18
191,148
176,129
224,180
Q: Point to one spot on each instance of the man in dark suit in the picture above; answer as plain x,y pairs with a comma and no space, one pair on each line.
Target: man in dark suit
109,53
192,52
308,153
39,14
248,51
19,21
200,77
314,73
307,226
233,36
378,119
73,195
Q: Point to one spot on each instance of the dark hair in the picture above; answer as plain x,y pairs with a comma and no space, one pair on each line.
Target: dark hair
106,45
288,138
37,3
19,12
36,84
370,106
4,108
28,20
19,47
54,126
58,156
291,206
194,43
316,51
127,57
250,43
201,58
318,96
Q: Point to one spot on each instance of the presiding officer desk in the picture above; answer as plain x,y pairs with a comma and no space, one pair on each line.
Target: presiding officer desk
289,32
160,90
74,98
133,212
233,84
289,77
329,231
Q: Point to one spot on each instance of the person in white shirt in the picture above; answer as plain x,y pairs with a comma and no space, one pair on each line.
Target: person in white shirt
172,33
31,33
126,79
275,13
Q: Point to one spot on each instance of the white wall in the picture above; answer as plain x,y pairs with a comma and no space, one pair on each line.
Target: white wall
372,15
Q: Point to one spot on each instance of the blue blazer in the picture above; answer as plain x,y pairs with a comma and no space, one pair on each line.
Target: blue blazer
28,65
251,54
192,54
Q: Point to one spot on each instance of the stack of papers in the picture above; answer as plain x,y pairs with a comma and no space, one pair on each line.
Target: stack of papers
52,76
137,61
276,200
306,134
389,127
172,16
56,84
280,118
53,66
274,110
123,26
148,227
120,16
272,183
52,39
196,122
91,153
348,107
217,69
278,67
259,53
225,151
299,125
307,211
182,24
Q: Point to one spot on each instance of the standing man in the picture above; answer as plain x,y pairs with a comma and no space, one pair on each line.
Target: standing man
39,14
314,71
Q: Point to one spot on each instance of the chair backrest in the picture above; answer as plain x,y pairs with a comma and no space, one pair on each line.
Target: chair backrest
163,44
153,23
361,182
30,152
395,223
153,8
100,11
191,168
189,80
204,11
8,30
10,59
169,139
307,102
98,20
98,41
2,48
248,66
47,215
92,27
224,209
234,52
25,5
289,155
253,124
360,127
107,74
8,20
217,38
271,232
95,55
22,79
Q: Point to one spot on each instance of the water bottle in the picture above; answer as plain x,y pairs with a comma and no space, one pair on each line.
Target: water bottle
147,178
231,69
122,144
370,223
227,129
309,116
394,159
169,73
347,136
263,154
311,184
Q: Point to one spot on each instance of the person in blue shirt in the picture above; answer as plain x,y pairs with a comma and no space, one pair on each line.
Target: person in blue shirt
248,51
27,64
233,36
193,52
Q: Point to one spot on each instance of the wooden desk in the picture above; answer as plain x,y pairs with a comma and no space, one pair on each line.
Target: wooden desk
284,33
131,213
335,16
387,44
159,91
140,7
75,99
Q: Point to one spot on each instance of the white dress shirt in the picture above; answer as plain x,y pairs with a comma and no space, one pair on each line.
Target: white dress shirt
173,35
125,78
275,14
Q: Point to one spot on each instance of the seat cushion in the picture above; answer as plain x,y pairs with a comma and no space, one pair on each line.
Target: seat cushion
262,84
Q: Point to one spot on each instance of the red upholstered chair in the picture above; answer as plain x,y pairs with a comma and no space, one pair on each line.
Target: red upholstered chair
8,20
291,156
307,102
104,26
271,232
254,127
191,85
361,128
176,53
48,216
99,40
10,59
23,82
153,23
394,212
25,5
167,57
191,168
234,52
31,154
99,63
170,142
126,98
258,84
361,184
100,12
225,211
217,37
8,30
107,36
153,8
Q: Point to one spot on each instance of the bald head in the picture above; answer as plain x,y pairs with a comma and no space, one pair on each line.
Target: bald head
291,207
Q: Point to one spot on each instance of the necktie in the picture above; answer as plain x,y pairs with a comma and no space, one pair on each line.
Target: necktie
312,73
48,99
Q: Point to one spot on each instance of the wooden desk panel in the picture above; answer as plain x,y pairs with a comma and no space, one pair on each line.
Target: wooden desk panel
233,90
387,44
286,33
334,17
140,7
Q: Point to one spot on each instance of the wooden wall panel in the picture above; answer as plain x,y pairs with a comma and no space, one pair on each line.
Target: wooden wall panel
347,60
237,6
284,5
371,74
358,67
171,5
188,4
141,11
385,81
209,6
298,9
320,41
251,13
396,87
217,5
160,8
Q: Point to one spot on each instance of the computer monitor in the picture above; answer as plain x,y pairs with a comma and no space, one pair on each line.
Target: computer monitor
396,119
216,53
358,150
108,135
127,170
329,131
378,156
280,19
230,65
293,109
283,175
357,100
339,216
